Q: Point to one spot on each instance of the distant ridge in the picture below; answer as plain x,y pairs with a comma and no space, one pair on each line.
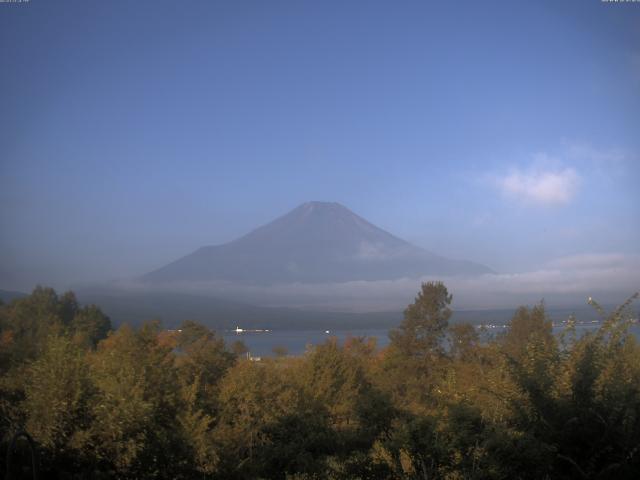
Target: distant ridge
317,242
7,296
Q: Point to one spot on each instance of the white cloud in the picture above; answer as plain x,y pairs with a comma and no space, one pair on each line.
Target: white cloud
555,178
544,187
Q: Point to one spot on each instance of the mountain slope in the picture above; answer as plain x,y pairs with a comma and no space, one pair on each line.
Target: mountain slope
317,242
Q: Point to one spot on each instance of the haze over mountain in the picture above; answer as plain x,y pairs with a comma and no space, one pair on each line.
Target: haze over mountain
317,242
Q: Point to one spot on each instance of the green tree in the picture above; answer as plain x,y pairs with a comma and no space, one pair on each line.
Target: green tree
195,427
413,365
464,341
136,404
268,426
528,326
58,394
203,360
28,321
425,322
90,325
31,319
239,348
336,378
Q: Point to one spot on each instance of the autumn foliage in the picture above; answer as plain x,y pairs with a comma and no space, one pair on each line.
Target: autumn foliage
441,401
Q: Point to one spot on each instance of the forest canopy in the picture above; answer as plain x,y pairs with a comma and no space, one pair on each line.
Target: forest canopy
439,402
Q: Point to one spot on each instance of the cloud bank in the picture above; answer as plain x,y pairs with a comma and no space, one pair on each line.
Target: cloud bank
566,281
544,187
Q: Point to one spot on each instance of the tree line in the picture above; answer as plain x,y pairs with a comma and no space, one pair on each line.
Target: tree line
437,403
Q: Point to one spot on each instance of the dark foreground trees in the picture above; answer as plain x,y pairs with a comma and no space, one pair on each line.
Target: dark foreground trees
438,402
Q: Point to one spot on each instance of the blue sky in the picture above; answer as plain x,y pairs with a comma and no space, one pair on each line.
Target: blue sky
132,133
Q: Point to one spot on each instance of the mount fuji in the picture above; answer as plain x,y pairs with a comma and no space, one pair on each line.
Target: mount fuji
317,242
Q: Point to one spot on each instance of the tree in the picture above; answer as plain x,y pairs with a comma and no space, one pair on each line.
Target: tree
28,321
31,319
136,404
57,402
528,327
334,379
202,359
196,427
239,348
425,322
464,341
583,408
90,325
268,426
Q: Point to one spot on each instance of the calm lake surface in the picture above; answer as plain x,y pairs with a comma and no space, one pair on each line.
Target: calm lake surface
296,341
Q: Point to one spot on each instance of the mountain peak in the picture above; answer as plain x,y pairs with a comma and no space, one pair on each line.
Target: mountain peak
322,204
315,242
319,207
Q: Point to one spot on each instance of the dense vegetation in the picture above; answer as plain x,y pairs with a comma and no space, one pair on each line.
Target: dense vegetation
436,403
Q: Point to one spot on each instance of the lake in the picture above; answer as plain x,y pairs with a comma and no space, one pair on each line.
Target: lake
296,341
